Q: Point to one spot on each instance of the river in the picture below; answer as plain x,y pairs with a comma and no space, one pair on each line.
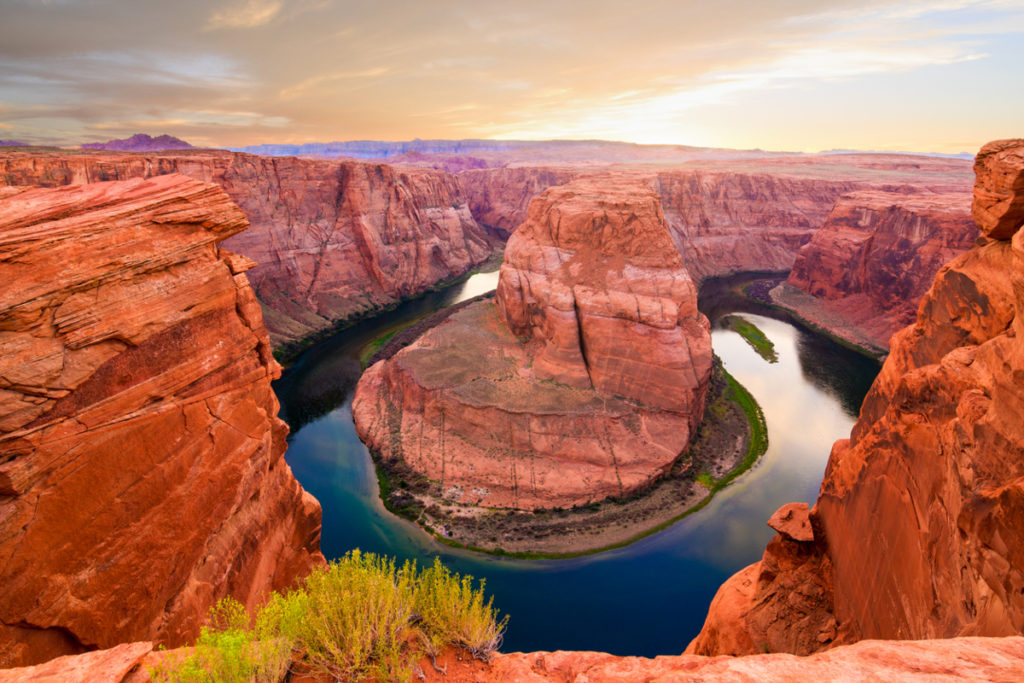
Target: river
648,598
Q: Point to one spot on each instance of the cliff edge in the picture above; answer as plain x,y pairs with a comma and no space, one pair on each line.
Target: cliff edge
141,468
918,530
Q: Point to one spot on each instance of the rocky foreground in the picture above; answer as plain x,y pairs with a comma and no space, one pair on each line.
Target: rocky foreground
997,660
918,531
584,380
141,468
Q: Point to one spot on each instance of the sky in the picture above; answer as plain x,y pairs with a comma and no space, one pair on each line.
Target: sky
795,75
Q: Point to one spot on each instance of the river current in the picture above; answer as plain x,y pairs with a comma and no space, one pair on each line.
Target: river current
648,598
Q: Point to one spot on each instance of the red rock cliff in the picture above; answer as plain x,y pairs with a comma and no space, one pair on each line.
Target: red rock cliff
141,468
877,254
499,197
919,528
331,239
728,222
585,381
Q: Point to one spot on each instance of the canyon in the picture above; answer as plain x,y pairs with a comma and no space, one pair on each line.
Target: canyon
874,258
335,240
917,531
584,379
331,239
140,373
142,475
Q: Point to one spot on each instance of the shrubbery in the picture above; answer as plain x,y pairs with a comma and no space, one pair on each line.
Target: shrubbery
361,616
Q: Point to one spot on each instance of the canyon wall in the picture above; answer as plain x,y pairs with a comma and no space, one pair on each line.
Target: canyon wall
727,222
331,239
585,380
500,197
141,468
918,531
876,256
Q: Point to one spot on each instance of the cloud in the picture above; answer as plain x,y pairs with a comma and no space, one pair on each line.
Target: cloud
245,14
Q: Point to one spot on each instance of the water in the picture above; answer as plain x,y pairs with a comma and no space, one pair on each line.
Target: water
648,598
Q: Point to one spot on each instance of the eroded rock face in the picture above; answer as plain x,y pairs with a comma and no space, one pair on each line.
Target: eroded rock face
877,254
585,381
499,197
727,222
332,239
921,512
141,468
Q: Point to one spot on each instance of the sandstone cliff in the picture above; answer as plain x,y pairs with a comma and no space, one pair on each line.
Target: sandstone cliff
876,256
141,468
918,531
585,381
331,239
500,197
728,222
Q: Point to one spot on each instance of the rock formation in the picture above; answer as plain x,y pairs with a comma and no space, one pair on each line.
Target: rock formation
999,660
876,256
141,468
918,531
586,380
728,222
500,197
331,239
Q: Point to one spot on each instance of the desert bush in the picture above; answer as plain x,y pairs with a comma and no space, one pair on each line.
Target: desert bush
360,617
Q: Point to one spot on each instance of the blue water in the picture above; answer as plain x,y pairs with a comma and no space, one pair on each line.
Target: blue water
648,598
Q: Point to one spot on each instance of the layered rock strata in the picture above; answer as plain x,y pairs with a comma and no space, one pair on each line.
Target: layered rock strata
141,468
499,197
999,660
585,380
918,531
726,222
876,256
332,239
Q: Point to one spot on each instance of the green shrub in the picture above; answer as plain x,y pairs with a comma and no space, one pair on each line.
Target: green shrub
453,612
360,617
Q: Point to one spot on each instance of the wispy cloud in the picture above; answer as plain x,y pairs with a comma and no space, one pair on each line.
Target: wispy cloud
245,14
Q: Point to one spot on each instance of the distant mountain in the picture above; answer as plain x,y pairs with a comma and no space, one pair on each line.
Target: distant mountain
382,149
12,143
140,142
960,155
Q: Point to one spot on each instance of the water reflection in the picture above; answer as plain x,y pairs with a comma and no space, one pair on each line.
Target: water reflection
646,599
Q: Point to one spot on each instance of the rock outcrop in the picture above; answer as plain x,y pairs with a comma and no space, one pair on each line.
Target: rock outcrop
499,197
729,222
998,660
918,530
585,380
876,256
331,239
141,468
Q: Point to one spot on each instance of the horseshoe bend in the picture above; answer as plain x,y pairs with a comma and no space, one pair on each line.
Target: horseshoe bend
143,473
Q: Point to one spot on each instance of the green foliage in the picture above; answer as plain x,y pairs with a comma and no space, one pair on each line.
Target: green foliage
360,617
753,336
453,612
227,651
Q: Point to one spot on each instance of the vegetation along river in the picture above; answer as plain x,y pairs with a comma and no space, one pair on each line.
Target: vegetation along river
648,598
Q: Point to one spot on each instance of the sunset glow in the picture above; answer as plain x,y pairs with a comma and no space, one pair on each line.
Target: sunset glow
784,74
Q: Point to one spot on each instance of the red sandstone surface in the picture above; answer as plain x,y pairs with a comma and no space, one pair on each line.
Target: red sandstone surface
876,256
586,380
499,197
999,660
331,239
141,468
919,527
